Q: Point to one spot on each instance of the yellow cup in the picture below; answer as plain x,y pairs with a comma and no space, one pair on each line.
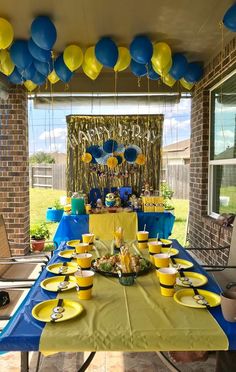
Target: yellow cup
161,260
88,208
142,237
84,260
84,279
89,239
82,247
154,247
167,276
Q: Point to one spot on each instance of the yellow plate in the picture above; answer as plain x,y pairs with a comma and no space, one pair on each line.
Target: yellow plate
170,251
182,264
185,297
67,253
51,284
43,310
195,279
72,243
166,242
72,267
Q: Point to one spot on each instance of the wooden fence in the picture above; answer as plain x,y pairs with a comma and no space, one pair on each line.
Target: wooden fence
52,176
177,178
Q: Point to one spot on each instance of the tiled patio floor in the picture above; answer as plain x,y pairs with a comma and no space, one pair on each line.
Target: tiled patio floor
102,362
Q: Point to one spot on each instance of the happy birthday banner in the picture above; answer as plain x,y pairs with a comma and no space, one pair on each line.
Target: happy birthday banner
143,132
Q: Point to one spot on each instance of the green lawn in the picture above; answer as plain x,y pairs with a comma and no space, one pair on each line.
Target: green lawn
41,199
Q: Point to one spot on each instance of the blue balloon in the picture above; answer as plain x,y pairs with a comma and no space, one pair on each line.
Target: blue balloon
44,67
38,53
194,72
20,54
106,52
43,32
179,66
28,73
141,49
15,77
153,75
38,78
229,19
62,70
138,69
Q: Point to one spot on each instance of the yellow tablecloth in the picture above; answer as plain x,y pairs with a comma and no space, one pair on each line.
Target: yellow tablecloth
104,225
135,318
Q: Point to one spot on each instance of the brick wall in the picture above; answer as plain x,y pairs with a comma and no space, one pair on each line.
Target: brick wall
14,169
205,231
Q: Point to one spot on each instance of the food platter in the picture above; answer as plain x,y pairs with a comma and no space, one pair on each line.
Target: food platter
109,265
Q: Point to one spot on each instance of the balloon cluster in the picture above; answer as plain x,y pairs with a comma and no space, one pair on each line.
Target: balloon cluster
229,19
31,62
112,154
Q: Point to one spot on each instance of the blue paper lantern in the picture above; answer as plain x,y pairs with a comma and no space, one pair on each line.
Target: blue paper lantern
106,52
138,69
179,66
120,159
20,54
15,77
44,67
153,75
95,151
141,49
38,78
43,32
110,146
38,53
229,19
62,70
194,72
130,154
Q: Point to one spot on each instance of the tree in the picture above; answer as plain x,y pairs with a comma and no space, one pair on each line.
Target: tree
41,157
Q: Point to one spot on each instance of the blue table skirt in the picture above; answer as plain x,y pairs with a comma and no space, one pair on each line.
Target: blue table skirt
73,226
23,332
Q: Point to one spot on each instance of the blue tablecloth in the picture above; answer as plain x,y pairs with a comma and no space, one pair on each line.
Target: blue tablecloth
23,332
73,226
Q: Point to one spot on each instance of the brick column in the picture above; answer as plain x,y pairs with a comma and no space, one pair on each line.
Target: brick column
14,169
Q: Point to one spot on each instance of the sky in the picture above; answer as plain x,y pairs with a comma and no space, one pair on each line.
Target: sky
48,129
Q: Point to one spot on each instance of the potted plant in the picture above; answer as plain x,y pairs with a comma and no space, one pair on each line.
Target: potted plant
39,233
55,213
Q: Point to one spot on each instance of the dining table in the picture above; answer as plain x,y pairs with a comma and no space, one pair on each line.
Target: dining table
118,317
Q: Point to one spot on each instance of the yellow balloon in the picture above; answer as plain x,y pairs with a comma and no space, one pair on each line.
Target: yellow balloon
161,55
112,162
53,78
186,84
163,71
86,157
73,57
89,71
6,66
91,61
6,33
124,59
169,80
30,85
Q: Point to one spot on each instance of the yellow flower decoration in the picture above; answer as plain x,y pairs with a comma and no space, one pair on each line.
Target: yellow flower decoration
141,159
112,162
86,157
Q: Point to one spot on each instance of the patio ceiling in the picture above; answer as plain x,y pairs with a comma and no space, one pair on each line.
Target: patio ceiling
188,27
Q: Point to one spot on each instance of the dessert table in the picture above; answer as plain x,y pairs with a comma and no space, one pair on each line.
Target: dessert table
73,226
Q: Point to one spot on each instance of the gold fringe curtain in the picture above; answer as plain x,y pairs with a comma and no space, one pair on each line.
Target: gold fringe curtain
144,131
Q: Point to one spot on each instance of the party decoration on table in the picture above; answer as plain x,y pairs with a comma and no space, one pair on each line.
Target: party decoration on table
43,32
73,57
44,310
6,33
118,237
190,279
229,19
106,52
123,60
187,297
110,200
141,49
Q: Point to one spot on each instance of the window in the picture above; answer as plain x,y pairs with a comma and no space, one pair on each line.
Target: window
222,164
